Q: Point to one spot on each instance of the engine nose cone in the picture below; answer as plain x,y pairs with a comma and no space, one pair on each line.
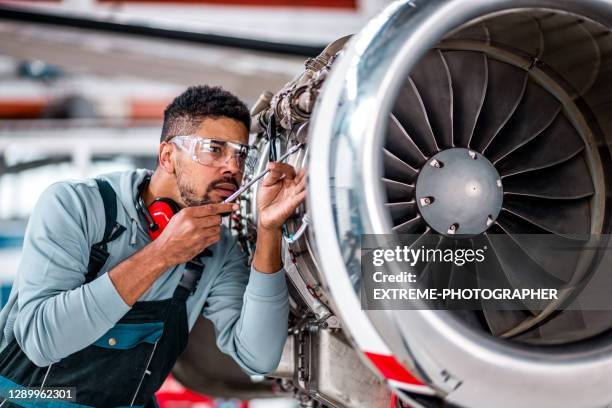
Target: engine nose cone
458,191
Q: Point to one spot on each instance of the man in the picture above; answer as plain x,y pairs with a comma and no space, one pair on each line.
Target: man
114,335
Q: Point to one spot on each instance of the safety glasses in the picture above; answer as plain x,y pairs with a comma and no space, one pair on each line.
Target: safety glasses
213,152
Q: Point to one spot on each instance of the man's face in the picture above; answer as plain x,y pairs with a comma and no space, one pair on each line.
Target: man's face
202,184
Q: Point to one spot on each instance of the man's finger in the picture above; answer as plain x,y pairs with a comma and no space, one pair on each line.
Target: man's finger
298,199
301,175
211,240
300,187
209,221
284,168
273,177
301,180
211,231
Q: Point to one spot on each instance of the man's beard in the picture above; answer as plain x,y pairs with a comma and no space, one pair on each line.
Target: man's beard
188,192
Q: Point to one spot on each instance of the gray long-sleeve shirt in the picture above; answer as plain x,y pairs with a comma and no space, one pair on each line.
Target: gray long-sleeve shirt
52,313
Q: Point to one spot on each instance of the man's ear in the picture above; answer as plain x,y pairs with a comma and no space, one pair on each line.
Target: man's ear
165,157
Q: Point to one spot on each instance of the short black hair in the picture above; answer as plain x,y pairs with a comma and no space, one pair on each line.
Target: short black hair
186,112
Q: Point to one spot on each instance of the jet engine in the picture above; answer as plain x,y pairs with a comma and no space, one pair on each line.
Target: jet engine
461,123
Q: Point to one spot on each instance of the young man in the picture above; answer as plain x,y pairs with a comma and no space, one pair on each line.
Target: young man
114,334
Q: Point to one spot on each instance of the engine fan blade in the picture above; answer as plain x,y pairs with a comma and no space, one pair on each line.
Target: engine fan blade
559,217
517,33
402,211
505,87
411,226
428,239
558,256
569,180
473,32
401,144
463,276
469,74
503,314
437,274
500,321
433,82
521,271
409,240
565,34
396,169
568,326
411,114
558,143
397,191
536,112
459,277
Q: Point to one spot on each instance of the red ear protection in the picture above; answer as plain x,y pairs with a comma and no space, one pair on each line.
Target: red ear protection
160,212
157,214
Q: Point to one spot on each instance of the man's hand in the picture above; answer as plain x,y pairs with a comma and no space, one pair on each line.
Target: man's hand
192,230
280,193
188,233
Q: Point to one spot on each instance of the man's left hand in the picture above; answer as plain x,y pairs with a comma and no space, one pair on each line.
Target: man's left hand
280,193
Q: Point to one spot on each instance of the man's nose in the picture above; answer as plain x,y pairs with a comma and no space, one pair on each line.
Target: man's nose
231,165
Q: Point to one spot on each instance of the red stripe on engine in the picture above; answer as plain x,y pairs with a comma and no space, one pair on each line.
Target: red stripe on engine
391,369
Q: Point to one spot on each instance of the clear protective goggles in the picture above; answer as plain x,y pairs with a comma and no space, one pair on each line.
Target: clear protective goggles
213,152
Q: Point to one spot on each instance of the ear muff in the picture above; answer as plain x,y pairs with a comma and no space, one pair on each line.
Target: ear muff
160,211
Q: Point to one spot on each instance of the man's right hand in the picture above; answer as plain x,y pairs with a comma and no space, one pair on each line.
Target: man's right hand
190,231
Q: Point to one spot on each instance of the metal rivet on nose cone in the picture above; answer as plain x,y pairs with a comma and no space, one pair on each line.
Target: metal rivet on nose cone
112,341
427,200
435,163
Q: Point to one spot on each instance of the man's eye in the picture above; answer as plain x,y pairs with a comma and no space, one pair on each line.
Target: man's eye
213,149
